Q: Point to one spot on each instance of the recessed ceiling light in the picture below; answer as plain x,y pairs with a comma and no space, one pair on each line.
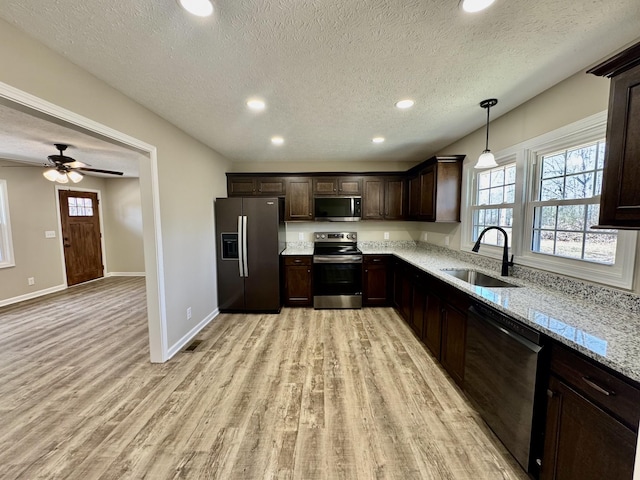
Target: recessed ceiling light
405,103
256,104
473,6
201,8
277,140
377,139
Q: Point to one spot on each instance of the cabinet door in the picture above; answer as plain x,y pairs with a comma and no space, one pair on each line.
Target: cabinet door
349,185
428,193
454,330
241,186
432,323
620,200
418,305
298,282
582,441
325,186
394,201
299,199
270,186
375,284
373,198
414,197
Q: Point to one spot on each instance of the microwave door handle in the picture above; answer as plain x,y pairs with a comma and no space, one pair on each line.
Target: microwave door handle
244,246
240,264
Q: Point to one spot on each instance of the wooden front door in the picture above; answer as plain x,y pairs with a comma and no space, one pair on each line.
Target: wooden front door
81,236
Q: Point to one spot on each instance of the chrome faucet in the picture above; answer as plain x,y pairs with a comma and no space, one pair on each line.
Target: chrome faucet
506,263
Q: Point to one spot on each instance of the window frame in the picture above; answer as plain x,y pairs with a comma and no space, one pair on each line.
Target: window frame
526,154
6,242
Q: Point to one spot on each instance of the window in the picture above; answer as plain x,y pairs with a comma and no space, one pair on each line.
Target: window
6,247
546,194
80,207
567,204
493,203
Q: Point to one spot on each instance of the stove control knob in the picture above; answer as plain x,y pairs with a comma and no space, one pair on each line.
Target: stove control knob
322,236
348,236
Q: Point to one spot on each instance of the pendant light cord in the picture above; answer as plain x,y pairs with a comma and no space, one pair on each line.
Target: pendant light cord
486,145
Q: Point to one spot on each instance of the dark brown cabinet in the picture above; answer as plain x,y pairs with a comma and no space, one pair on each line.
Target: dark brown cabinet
298,202
383,198
454,332
432,329
239,185
435,188
620,199
338,185
418,303
297,280
592,419
402,289
376,280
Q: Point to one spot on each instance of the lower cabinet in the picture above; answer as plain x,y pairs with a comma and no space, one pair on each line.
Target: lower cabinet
454,332
376,284
592,421
432,330
297,288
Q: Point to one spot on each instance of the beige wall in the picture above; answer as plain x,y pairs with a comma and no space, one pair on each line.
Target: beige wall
295,167
186,193
123,226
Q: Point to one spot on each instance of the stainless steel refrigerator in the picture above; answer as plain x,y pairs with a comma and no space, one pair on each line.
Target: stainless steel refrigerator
250,235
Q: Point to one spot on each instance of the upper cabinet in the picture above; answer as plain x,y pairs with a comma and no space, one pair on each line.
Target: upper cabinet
383,198
241,185
435,187
428,192
298,202
338,185
620,200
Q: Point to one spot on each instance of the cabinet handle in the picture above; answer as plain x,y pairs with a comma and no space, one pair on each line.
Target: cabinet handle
377,259
366,271
550,393
308,271
597,387
297,261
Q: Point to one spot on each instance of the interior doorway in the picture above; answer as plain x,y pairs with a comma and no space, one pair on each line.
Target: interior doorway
81,236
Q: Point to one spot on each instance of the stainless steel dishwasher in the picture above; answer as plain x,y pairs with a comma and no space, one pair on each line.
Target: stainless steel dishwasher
501,365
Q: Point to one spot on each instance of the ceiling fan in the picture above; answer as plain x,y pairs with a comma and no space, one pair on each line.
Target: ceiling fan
64,168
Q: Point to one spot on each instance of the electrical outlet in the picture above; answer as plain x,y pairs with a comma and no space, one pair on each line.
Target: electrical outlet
31,281
424,236
50,234
446,241
189,313
386,235
300,236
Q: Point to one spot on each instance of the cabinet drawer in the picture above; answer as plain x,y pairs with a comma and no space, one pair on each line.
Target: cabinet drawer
297,260
375,259
605,389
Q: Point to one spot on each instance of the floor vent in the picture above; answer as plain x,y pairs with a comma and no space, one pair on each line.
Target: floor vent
193,345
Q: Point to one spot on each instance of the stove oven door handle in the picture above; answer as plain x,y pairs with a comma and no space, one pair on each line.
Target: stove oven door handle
337,259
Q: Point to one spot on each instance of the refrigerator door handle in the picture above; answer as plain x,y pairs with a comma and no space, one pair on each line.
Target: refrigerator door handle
244,246
240,247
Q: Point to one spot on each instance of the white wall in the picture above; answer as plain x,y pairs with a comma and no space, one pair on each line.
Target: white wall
190,175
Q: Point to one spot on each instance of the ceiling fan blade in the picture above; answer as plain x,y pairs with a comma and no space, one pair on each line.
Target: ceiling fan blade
97,170
76,164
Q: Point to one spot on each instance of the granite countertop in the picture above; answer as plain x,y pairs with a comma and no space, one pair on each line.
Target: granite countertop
603,328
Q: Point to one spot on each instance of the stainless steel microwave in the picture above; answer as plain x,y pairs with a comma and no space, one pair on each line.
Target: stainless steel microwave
337,209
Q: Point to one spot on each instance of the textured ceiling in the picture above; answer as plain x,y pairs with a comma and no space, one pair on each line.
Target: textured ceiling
331,70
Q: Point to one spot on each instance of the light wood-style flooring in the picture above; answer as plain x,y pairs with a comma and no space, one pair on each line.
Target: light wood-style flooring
329,394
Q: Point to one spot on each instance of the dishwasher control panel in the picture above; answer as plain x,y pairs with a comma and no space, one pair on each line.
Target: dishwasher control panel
507,322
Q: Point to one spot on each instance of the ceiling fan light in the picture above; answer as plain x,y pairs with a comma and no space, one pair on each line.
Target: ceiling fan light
75,177
50,174
62,178
473,6
486,160
200,8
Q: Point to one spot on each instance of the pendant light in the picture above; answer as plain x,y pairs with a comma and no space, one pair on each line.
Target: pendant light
486,159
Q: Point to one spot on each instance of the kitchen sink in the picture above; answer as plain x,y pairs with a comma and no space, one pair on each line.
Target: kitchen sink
477,278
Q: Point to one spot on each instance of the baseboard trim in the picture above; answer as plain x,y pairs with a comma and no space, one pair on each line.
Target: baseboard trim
31,295
125,274
192,333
